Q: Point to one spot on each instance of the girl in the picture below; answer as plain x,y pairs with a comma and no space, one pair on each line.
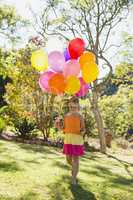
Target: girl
74,129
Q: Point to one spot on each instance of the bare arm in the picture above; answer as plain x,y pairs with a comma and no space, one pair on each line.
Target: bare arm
82,125
63,125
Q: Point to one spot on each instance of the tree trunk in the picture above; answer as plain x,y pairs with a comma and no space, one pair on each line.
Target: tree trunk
99,121
45,135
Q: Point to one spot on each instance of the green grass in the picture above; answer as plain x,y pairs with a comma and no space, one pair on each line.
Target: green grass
31,172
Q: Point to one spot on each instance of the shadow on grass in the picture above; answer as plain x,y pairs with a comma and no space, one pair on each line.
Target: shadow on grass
116,180
90,157
123,181
6,198
125,164
31,161
33,148
95,173
9,166
63,189
80,193
2,148
60,164
119,160
29,196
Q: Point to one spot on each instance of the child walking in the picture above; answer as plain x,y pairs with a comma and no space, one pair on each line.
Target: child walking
74,129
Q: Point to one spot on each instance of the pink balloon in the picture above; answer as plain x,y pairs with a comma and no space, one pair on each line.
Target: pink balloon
43,80
56,61
71,68
83,89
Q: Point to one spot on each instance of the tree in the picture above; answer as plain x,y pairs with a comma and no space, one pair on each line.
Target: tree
10,23
126,52
118,117
111,87
3,82
24,96
124,74
92,20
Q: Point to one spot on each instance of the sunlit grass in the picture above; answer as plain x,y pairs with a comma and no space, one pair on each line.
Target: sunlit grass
33,172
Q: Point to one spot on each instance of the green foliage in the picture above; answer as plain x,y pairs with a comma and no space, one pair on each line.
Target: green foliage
8,17
24,127
2,119
3,110
124,74
10,23
6,61
3,82
117,109
2,125
110,88
24,124
88,119
24,95
126,52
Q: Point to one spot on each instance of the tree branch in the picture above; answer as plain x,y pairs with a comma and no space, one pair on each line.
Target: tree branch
107,79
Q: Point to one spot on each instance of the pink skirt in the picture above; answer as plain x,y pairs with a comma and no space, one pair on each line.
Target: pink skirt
73,145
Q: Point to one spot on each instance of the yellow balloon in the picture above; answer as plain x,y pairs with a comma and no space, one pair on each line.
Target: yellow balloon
90,72
39,60
73,85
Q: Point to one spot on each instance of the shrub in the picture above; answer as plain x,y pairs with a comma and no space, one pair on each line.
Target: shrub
24,127
89,121
23,124
2,125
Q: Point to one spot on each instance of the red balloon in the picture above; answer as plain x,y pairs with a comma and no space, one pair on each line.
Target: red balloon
76,47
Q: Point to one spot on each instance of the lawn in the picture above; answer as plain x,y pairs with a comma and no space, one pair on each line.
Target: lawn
31,172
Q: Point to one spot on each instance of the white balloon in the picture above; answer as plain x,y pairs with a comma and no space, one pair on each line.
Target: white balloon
54,43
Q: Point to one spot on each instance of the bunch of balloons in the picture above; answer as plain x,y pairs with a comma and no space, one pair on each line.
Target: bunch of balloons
68,72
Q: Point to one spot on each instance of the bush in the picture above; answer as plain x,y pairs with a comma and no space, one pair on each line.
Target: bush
89,121
23,124
2,125
24,127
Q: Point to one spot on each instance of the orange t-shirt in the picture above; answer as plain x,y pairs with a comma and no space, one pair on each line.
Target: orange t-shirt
72,124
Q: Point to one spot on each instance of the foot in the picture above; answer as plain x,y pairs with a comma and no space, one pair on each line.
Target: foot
74,181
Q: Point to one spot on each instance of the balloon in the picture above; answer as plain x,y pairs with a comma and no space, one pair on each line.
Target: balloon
54,44
56,61
57,83
73,85
83,88
39,60
43,80
71,68
76,47
87,57
66,55
90,72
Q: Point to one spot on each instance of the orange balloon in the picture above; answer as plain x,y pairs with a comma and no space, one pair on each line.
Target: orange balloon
87,57
57,83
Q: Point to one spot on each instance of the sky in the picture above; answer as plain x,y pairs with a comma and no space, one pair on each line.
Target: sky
22,7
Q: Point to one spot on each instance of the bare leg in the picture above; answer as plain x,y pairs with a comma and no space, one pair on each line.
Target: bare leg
75,168
69,159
